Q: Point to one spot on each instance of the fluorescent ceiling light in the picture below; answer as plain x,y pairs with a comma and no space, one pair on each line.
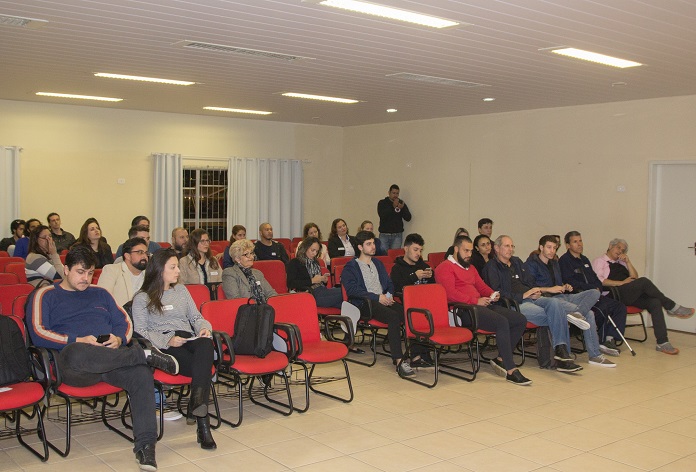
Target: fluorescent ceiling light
142,79
596,57
81,97
320,97
392,110
388,12
238,110
9,20
489,99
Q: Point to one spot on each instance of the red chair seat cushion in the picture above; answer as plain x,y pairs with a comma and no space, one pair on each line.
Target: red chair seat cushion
168,379
485,333
531,325
320,352
22,394
376,324
451,336
633,310
253,365
324,311
101,389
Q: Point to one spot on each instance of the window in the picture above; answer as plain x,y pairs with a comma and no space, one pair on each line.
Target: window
205,201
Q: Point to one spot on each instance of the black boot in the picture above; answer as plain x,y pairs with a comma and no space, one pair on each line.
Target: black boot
197,405
205,436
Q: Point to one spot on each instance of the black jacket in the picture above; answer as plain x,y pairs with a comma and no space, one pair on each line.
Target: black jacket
391,221
403,274
336,248
298,276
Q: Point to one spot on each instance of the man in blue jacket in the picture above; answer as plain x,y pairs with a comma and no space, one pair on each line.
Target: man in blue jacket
71,317
369,287
547,276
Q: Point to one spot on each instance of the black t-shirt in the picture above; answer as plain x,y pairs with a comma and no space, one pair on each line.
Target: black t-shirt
549,266
618,271
517,286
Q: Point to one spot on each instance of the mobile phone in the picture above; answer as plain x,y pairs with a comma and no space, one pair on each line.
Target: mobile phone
102,338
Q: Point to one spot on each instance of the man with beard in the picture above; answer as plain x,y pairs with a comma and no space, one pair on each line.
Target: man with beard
179,239
463,284
506,274
125,278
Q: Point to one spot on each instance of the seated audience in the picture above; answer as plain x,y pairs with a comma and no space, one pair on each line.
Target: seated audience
547,276
22,244
140,221
17,230
311,230
198,265
485,227
43,262
304,275
341,244
463,284
506,274
483,251
576,270
614,269
238,233
124,279
268,250
241,280
411,269
459,232
62,238
91,237
179,239
369,287
368,226
140,231
166,315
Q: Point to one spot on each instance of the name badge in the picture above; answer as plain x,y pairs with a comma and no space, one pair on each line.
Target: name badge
273,254
258,282
341,249
214,273
587,265
516,276
168,307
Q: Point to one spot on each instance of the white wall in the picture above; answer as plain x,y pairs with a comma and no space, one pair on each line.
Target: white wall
533,172
73,156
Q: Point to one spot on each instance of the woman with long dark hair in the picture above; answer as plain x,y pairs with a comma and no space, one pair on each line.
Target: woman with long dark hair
483,252
198,265
165,314
43,263
311,230
304,275
91,236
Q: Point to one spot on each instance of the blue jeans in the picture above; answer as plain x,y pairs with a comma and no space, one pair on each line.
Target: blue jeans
390,240
548,312
583,303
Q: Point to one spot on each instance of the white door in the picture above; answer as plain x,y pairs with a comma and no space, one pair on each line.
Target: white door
673,264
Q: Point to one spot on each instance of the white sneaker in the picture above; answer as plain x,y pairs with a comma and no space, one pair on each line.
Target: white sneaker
601,361
578,320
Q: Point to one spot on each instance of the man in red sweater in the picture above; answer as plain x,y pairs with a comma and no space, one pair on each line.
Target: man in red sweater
463,284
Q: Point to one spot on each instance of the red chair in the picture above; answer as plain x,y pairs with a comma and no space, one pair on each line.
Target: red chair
200,294
220,293
25,394
19,270
8,293
274,272
7,278
632,311
8,260
285,242
95,276
18,306
237,371
220,246
4,254
165,245
338,261
435,258
394,253
293,247
384,259
62,258
296,241
427,324
300,309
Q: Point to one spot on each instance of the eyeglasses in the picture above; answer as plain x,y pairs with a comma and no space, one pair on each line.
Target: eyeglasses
140,253
249,255
204,241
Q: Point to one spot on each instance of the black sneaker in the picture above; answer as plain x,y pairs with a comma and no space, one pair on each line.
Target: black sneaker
145,457
498,367
421,362
561,353
162,361
568,367
517,378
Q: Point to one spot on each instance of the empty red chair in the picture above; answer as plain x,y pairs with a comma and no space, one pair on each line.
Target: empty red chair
8,279
200,294
4,254
8,260
275,274
165,245
285,242
8,293
19,270
435,258
394,253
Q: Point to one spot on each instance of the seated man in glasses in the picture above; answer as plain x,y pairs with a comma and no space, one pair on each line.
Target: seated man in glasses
124,279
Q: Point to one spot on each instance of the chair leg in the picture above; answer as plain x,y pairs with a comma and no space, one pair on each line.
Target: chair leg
642,325
373,348
40,432
287,407
326,394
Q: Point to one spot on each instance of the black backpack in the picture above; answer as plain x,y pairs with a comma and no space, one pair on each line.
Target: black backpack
14,359
253,330
545,348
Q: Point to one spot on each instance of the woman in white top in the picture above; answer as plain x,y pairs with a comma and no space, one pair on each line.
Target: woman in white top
198,265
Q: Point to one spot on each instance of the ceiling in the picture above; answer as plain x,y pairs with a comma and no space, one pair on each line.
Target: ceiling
352,55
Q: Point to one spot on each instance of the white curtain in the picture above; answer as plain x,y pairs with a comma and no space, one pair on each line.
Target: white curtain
263,190
169,195
9,186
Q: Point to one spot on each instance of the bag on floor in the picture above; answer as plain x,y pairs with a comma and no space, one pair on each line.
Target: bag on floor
14,360
253,330
545,348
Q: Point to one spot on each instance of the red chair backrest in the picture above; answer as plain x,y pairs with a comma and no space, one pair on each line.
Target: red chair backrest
20,323
95,276
18,306
222,313
8,260
431,297
435,258
8,293
293,246
275,274
19,270
299,309
337,261
4,254
7,278
385,259
296,240
62,257
165,245
200,294
221,293
219,246
394,253
285,242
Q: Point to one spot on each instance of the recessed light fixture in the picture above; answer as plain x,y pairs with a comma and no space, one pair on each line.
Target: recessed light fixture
392,110
142,79
387,12
80,97
595,57
238,110
22,22
489,99
319,97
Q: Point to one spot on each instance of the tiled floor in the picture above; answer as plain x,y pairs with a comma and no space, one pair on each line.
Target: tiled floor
639,416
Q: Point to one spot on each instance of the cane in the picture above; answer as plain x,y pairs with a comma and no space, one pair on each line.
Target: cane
633,353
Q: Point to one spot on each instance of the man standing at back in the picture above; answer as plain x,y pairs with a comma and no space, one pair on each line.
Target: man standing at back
392,213
268,250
